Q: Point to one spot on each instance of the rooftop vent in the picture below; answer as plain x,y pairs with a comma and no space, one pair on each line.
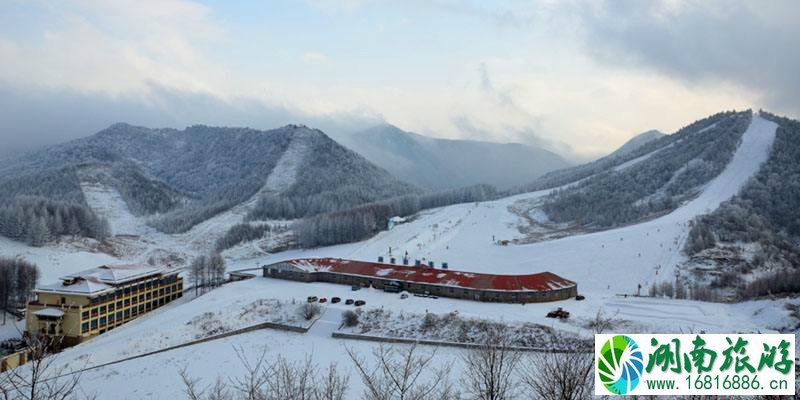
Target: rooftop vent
380,259
430,264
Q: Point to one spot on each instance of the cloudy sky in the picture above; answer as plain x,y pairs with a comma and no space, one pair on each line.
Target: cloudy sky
577,77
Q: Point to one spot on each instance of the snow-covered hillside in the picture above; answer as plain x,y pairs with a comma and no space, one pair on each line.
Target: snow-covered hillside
612,261
606,265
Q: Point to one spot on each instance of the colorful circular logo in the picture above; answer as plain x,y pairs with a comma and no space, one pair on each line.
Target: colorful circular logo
620,364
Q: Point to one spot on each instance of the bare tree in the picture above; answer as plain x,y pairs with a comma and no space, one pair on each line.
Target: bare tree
489,369
402,374
309,310
289,380
332,386
41,378
559,376
349,318
279,380
602,322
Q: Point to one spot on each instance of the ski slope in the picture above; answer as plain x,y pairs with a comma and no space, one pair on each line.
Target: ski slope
602,263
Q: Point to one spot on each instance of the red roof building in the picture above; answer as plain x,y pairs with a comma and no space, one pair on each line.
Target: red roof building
544,286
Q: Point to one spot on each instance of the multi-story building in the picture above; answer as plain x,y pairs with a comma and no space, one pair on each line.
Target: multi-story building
91,302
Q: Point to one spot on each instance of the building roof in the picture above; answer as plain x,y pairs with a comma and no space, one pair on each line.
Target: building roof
49,312
102,278
542,281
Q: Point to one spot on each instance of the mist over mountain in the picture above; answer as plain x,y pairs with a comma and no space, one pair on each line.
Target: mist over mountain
637,141
445,163
187,176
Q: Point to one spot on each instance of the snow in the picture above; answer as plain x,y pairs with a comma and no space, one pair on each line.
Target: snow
285,172
58,260
107,203
50,312
12,328
604,265
637,160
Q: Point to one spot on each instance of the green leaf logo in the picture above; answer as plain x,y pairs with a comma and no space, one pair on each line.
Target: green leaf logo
620,364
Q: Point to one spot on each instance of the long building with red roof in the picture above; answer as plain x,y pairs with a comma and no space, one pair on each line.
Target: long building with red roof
424,279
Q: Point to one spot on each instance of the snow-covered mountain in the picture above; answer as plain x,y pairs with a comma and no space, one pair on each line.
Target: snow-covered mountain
444,163
609,266
637,141
188,176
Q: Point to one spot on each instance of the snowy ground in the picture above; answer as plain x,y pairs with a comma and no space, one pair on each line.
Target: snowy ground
137,378
604,264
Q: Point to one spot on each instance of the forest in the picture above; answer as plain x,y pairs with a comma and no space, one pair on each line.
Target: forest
17,281
669,176
364,221
766,212
37,220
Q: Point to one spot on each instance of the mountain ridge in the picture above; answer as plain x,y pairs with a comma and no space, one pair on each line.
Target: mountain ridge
436,163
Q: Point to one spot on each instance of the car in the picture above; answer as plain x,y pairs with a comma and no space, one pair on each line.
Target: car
323,300
404,296
348,301
360,303
312,299
335,300
355,287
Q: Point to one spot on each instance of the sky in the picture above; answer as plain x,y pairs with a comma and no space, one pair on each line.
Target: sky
579,78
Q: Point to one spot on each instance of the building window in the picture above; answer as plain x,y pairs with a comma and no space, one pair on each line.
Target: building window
110,318
84,327
127,302
127,313
94,312
63,300
102,309
94,324
119,315
85,315
103,320
111,307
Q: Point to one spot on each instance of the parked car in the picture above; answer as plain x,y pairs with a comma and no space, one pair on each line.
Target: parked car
323,300
360,303
335,300
312,299
355,287
404,296
348,301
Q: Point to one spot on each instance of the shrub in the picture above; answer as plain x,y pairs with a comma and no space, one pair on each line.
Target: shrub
349,318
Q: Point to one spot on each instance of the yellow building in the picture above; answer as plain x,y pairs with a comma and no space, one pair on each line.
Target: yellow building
100,299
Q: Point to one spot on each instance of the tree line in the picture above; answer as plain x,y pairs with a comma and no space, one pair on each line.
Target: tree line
17,281
766,212
362,222
37,220
207,272
656,185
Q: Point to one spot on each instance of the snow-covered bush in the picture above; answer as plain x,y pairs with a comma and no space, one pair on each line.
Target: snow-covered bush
349,318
